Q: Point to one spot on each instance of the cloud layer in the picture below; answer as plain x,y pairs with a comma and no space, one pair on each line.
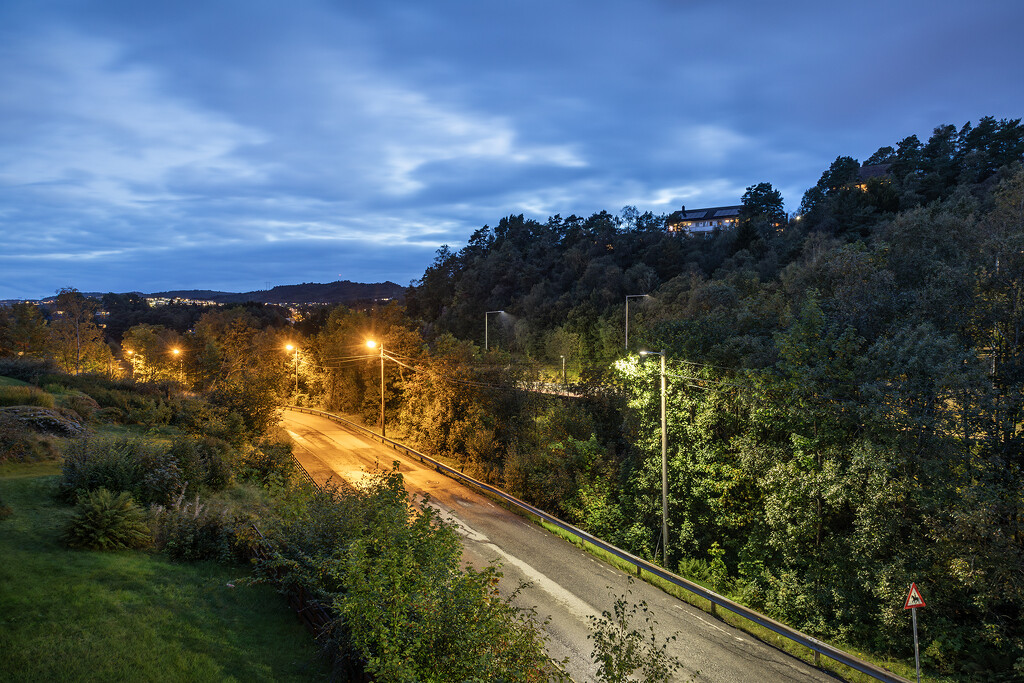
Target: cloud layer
231,145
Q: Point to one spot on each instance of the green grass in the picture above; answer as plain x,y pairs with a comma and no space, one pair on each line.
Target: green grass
11,382
80,615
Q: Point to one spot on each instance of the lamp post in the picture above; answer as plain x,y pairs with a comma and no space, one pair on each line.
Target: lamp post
290,347
181,375
372,344
628,297
486,345
563,370
664,462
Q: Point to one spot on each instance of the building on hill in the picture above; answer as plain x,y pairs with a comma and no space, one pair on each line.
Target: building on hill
870,172
703,221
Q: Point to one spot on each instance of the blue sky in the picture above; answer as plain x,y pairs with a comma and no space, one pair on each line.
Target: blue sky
147,146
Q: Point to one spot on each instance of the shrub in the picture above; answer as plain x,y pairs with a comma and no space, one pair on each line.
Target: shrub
203,461
149,412
379,559
5,511
201,418
193,531
26,396
120,464
84,405
110,415
26,369
265,462
626,643
104,521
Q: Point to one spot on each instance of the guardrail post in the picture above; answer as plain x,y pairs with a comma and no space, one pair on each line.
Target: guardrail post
817,659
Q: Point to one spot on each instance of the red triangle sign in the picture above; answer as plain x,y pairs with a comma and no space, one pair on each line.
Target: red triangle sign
914,598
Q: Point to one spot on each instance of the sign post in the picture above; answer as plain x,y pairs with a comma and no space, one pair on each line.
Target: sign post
913,601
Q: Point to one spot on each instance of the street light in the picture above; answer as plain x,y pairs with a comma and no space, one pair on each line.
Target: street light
486,346
177,354
372,344
664,462
563,370
628,297
296,348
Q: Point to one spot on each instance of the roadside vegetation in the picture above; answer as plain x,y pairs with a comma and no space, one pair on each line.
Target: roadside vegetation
143,536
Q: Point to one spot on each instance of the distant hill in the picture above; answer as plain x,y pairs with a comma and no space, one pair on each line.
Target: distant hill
341,292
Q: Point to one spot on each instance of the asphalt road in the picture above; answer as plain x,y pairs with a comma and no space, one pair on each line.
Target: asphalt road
566,584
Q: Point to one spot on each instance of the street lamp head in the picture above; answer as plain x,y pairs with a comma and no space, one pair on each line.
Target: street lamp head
289,347
372,344
175,351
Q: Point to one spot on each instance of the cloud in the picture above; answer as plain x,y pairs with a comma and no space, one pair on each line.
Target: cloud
96,129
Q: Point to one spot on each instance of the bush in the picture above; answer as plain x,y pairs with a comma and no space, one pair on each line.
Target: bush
26,369
201,418
120,464
5,511
193,531
203,461
110,415
265,462
84,405
26,396
104,521
626,643
379,559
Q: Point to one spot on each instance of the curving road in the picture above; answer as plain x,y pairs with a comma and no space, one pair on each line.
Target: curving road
566,584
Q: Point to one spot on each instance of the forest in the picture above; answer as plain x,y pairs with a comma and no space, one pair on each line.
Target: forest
844,386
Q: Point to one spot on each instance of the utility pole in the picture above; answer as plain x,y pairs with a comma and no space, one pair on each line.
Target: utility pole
664,461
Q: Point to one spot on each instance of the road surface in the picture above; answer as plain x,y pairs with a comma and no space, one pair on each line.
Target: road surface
566,584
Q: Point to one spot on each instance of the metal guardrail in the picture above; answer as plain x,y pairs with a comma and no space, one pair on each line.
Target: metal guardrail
813,644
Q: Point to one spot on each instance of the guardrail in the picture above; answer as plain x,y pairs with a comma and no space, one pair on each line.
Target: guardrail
716,600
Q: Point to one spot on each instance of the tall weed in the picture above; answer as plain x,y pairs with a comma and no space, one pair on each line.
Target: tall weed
26,396
192,531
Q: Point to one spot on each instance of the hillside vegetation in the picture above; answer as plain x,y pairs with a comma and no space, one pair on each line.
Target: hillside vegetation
844,392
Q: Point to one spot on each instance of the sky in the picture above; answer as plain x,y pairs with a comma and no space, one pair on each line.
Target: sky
236,145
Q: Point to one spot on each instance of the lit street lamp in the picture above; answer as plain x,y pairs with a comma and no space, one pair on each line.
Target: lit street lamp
628,297
181,375
664,462
290,347
372,344
486,346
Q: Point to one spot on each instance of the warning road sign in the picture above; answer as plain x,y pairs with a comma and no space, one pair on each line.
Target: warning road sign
914,598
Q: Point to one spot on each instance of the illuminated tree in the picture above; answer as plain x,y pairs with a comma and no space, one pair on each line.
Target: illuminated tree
76,340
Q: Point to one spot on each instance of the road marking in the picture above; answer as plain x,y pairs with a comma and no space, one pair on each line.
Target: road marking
574,604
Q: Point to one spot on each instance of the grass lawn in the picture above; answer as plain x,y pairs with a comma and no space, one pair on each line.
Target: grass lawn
68,615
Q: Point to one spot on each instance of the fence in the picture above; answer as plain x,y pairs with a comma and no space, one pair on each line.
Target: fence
716,600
